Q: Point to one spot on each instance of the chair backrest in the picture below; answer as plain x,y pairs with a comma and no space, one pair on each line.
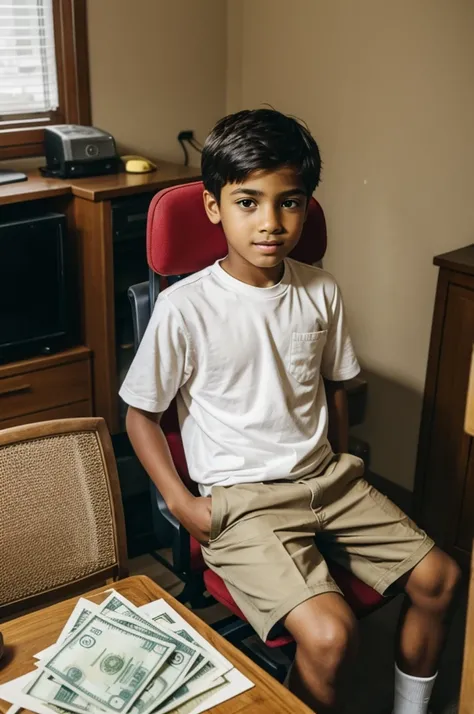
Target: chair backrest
61,519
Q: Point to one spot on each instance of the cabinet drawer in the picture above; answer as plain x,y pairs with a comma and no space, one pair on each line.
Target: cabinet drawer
43,389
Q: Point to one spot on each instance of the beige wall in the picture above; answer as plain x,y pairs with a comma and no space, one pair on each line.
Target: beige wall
388,90
156,67
235,68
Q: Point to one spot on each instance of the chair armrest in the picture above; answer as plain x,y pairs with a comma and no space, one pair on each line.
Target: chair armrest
139,297
171,527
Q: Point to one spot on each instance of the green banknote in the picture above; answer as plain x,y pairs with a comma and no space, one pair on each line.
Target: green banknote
172,675
187,657
107,664
58,696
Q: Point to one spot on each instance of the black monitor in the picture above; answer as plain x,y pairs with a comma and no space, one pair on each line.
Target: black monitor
34,305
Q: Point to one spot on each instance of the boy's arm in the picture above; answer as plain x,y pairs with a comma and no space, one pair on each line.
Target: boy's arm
338,431
149,443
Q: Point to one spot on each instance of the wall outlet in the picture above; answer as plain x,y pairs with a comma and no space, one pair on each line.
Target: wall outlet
187,135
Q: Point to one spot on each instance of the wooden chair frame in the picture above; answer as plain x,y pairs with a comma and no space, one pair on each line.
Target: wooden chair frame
31,432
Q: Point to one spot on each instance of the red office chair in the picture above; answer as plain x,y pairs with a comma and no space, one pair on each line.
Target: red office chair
180,241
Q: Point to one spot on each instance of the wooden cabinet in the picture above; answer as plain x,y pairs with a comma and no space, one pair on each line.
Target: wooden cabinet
90,205
444,484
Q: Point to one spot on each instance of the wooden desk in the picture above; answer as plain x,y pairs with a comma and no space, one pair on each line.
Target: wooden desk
97,188
31,633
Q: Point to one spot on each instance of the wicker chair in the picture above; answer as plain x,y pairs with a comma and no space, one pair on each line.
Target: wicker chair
61,520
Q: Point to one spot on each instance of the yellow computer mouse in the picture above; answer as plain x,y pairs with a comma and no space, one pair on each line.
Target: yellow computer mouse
137,164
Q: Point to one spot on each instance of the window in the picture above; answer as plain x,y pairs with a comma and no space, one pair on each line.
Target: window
28,77
43,71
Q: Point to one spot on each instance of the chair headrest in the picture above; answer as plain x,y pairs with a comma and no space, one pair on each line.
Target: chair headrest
182,240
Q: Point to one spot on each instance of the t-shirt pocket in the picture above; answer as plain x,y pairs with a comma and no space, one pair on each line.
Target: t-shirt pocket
306,354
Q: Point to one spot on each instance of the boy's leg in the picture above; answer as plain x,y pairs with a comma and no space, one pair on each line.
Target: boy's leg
367,533
430,587
325,631
262,545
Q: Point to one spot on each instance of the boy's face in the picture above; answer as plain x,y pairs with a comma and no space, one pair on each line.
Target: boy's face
262,217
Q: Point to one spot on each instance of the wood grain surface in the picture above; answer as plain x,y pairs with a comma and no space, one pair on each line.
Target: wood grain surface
97,188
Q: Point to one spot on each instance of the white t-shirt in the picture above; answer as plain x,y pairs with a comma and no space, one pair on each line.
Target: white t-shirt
246,364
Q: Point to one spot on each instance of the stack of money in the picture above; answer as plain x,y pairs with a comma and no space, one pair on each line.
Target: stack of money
115,657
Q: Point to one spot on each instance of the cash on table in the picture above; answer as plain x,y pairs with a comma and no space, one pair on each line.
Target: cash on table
115,657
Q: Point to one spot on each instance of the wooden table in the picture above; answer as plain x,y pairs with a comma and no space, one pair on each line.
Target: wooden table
29,634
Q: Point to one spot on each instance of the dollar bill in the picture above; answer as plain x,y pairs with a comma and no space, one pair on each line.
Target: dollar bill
59,696
188,696
12,691
187,658
160,611
107,664
235,684
199,675
202,664
116,606
176,670
82,611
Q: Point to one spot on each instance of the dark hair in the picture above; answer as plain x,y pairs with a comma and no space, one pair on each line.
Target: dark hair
251,140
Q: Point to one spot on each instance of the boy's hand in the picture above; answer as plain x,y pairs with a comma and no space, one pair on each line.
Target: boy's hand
195,515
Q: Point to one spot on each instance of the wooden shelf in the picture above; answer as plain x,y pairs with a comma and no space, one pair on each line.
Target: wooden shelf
44,362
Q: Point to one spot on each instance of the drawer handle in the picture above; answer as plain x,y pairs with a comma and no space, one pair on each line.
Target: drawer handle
15,390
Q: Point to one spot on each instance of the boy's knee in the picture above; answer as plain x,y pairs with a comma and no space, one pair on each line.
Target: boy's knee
435,580
327,642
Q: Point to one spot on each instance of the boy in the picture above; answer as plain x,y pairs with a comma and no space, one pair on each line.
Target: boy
246,345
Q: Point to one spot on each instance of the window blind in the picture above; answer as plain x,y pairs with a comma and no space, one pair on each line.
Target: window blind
28,76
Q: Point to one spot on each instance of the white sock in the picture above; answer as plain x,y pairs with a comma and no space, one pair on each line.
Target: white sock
412,694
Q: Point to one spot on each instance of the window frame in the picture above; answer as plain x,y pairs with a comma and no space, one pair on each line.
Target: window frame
26,138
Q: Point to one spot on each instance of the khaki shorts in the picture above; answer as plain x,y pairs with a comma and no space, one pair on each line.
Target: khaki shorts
263,545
